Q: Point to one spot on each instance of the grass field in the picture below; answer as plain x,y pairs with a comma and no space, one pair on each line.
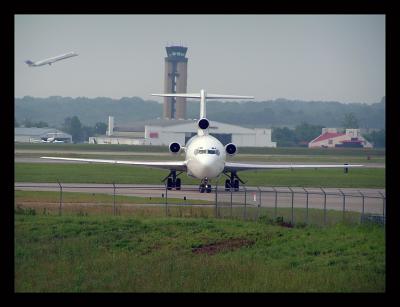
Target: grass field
146,254
105,173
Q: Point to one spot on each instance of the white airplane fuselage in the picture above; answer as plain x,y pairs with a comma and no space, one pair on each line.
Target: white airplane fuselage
205,157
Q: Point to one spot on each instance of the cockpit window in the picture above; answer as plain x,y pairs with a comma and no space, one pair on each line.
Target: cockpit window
213,152
207,151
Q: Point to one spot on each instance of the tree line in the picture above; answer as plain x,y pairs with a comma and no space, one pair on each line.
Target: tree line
81,133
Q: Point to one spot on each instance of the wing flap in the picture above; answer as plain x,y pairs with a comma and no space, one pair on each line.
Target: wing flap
171,165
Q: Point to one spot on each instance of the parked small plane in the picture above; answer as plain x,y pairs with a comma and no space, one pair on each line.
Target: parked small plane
205,155
49,61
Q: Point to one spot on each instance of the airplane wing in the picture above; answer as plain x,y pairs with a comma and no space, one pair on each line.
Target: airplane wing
170,165
232,166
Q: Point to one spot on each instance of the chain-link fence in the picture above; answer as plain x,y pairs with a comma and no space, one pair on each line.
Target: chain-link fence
290,205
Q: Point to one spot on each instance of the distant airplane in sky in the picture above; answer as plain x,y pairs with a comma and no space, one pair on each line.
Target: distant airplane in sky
51,60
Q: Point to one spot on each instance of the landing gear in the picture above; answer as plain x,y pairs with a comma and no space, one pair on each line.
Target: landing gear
204,186
178,184
173,181
232,182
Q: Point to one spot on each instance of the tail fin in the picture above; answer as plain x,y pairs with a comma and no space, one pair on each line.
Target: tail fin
29,62
203,96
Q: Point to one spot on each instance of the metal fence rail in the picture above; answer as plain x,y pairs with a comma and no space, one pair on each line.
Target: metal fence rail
293,205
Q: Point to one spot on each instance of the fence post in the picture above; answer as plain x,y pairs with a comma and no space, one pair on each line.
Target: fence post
383,204
276,203
114,211
306,204
166,200
292,220
344,203
245,203
230,189
259,203
216,200
362,212
60,208
323,191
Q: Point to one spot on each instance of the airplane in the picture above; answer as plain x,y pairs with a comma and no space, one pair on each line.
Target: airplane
52,140
49,61
205,156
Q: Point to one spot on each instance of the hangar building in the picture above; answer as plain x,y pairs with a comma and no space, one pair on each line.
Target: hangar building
38,135
164,132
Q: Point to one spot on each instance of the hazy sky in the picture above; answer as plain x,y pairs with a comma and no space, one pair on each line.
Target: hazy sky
307,57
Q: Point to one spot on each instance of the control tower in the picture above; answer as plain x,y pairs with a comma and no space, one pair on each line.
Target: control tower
175,81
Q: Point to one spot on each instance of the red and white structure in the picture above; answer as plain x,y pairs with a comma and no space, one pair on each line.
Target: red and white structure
331,138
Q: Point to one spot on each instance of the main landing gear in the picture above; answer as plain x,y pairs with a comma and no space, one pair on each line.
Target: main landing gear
232,182
205,186
172,181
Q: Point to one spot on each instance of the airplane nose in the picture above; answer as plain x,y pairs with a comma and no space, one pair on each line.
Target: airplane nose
207,161
210,166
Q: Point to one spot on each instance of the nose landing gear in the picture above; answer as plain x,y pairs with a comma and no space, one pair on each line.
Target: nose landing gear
205,186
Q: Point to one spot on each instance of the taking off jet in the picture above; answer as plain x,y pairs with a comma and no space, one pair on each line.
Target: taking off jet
205,156
50,61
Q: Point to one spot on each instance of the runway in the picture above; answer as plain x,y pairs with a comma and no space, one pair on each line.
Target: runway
336,199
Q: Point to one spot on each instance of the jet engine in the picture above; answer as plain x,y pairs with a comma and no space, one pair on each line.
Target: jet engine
230,149
174,148
203,123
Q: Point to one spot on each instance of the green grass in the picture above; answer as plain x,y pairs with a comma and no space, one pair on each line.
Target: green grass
126,254
78,197
105,173
75,203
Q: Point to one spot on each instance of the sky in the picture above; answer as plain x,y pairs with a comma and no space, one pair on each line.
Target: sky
305,57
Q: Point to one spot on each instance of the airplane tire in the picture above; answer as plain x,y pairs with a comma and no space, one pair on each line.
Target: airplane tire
169,184
208,188
178,184
236,185
202,188
227,185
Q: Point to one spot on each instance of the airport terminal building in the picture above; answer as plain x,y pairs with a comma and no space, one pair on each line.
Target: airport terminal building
166,131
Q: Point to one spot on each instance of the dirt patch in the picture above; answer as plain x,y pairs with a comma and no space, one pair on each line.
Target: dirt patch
286,224
222,246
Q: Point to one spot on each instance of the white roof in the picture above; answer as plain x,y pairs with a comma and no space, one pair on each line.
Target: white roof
38,131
